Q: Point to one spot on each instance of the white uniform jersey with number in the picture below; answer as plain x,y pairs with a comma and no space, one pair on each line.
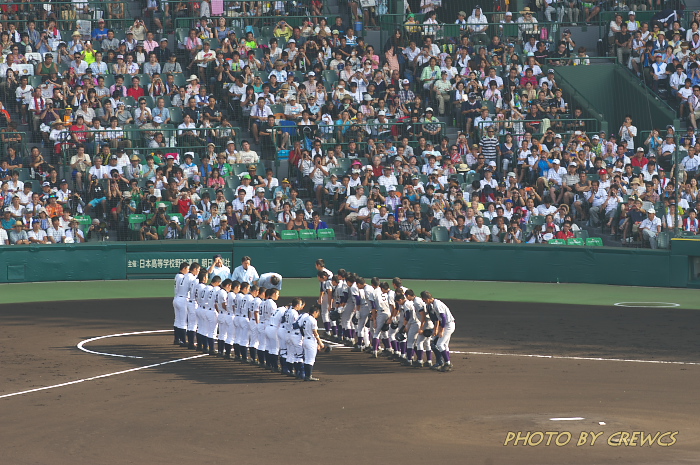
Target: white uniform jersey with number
192,281
194,286
201,294
211,297
308,324
290,317
257,306
276,317
231,303
240,304
269,309
221,301
247,303
181,285
384,302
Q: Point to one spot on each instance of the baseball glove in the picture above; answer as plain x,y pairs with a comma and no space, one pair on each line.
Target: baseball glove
385,327
327,349
355,320
334,315
368,324
428,332
400,336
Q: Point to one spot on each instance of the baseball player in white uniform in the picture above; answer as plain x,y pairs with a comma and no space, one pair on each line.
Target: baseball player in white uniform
272,321
371,293
282,332
364,311
311,342
444,328
412,325
231,306
180,305
324,300
352,304
211,313
321,266
201,295
294,347
242,337
192,283
340,291
270,281
257,308
400,346
224,317
380,316
253,320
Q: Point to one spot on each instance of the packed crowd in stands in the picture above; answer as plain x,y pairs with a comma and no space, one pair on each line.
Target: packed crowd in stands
134,138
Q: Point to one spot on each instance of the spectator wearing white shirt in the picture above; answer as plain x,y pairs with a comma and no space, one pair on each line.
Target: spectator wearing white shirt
478,24
596,199
659,73
690,163
353,205
388,180
627,134
546,208
677,80
650,228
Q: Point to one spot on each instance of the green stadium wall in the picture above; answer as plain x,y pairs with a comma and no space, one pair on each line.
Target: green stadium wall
677,267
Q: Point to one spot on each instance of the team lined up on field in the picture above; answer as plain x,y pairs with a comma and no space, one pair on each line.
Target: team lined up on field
245,318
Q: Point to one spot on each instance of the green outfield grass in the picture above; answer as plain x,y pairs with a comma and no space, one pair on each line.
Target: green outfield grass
585,294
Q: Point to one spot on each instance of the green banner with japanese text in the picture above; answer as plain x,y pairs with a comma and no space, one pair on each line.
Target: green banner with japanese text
166,264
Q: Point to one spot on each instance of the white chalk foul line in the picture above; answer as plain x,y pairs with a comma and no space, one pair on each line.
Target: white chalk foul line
82,343
567,419
561,357
92,378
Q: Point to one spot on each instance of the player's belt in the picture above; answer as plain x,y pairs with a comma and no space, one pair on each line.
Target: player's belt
309,337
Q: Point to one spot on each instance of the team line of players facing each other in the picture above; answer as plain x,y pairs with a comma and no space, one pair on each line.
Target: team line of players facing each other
245,318
407,325
364,315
